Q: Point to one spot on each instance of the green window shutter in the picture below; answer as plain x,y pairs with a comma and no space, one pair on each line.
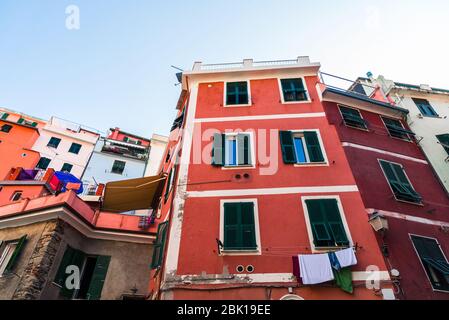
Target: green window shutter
398,181
287,147
167,188
353,117
248,230
98,277
218,150
16,254
333,217
313,146
5,116
159,246
244,151
444,140
34,124
21,120
71,257
326,223
320,231
239,226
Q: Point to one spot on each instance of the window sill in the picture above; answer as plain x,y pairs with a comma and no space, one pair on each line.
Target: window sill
238,167
230,252
358,128
296,102
419,204
329,249
312,164
237,105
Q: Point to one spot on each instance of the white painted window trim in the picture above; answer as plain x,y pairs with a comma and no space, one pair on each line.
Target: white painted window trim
420,261
309,227
252,148
323,150
343,119
256,229
281,93
249,104
391,189
410,140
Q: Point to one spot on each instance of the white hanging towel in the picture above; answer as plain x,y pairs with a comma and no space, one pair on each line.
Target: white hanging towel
346,257
315,268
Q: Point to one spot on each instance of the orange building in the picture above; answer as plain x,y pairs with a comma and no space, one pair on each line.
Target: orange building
18,133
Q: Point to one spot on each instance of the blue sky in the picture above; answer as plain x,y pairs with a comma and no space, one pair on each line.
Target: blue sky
115,70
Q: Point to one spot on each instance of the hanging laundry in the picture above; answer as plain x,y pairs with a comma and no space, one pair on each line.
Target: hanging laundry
334,261
315,268
343,279
346,257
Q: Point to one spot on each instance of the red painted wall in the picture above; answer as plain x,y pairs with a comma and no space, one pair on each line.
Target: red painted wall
281,217
376,194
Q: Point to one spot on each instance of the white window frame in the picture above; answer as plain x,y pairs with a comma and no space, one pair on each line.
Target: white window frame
309,227
258,251
388,182
344,122
7,250
402,126
308,100
420,261
252,148
325,163
249,104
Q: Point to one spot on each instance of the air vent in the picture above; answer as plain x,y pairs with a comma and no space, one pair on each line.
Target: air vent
240,268
250,268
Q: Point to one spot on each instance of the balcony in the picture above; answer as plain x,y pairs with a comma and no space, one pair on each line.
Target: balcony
126,149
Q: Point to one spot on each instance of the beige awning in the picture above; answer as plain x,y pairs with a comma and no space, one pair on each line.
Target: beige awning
133,194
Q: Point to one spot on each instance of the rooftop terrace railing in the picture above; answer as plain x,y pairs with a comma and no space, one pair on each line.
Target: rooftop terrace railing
249,64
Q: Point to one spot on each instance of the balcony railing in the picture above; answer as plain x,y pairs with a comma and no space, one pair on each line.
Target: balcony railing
124,151
250,64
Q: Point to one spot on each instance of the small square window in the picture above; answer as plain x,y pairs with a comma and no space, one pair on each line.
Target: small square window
353,118
293,90
16,196
118,167
425,108
6,128
396,129
75,148
43,163
54,142
237,93
67,167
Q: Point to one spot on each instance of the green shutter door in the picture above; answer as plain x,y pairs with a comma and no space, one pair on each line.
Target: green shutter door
313,146
335,223
4,116
287,147
71,257
218,152
244,151
231,226
321,233
158,250
16,254
98,277
167,187
248,227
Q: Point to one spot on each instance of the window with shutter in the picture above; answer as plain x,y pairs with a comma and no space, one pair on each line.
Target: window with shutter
71,257
54,142
239,226
6,128
98,277
43,163
326,223
433,260
159,245
293,90
301,147
75,148
399,183
425,108
237,93
396,129
4,115
10,254
353,118
444,141
232,150
169,184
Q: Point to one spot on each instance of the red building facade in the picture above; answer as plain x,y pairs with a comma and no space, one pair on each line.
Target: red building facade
251,156
396,182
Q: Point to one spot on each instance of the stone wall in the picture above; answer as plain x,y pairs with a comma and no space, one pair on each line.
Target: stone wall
36,272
